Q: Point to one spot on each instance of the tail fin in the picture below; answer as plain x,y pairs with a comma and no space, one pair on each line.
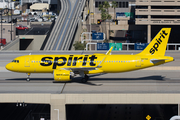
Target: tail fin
158,45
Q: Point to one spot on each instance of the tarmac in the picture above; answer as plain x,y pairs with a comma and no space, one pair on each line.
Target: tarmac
159,79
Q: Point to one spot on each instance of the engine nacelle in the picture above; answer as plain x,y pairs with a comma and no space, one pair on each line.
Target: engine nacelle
63,75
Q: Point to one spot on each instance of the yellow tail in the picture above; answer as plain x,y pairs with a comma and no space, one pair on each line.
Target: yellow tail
158,45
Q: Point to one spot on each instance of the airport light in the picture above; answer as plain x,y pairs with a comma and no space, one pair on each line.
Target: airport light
17,104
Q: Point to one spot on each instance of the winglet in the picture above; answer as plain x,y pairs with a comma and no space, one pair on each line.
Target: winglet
109,51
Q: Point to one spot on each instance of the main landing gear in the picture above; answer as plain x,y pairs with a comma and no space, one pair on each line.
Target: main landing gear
85,79
28,77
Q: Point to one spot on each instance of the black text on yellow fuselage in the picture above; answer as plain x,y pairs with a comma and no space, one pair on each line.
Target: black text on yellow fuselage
158,42
71,60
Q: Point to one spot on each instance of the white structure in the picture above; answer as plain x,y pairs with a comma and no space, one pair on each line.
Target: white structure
39,1
4,4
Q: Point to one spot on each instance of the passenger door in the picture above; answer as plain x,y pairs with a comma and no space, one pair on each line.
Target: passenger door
138,61
27,62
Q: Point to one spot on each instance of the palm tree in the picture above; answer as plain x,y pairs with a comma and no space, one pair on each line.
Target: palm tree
114,5
104,8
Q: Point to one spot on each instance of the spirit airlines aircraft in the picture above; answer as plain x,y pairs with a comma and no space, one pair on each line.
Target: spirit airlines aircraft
65,67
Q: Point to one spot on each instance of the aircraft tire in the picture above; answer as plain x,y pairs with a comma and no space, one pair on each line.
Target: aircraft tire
85,79
28,80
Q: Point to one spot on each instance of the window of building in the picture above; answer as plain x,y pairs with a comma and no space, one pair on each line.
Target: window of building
99,4
119,5
123,4
127,4
96,4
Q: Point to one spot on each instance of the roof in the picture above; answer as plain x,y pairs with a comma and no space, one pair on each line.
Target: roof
39,6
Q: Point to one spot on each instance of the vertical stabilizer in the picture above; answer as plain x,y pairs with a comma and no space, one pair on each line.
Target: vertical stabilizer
158,45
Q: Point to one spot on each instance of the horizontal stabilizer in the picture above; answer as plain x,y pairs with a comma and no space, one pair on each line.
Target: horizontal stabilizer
154,61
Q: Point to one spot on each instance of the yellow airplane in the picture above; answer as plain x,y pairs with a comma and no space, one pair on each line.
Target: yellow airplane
65,67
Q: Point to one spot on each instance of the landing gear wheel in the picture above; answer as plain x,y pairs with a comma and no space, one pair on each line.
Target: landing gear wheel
28,77
28,80
85,79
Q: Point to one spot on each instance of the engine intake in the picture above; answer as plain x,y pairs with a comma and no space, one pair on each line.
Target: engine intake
63,75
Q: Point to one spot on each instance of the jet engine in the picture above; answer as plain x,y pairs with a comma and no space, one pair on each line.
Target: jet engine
63,75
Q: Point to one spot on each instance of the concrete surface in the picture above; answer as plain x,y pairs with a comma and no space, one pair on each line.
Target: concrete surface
157,85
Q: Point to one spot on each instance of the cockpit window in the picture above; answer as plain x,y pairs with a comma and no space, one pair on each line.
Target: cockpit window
16,61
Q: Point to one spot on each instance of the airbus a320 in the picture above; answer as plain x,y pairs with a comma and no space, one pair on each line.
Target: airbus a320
66,67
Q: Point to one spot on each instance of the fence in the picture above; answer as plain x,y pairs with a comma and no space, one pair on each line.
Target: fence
130,46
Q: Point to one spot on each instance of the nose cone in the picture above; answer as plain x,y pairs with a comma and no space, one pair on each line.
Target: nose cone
9,66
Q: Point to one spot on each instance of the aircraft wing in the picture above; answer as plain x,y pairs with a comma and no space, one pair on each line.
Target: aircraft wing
81,68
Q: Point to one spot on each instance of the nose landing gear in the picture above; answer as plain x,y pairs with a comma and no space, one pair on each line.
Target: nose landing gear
28,77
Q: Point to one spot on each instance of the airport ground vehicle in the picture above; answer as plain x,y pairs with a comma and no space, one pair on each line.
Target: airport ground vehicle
3,40
65,67
21,27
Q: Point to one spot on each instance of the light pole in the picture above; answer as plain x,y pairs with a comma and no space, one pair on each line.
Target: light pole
11,21
90,30
1,29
